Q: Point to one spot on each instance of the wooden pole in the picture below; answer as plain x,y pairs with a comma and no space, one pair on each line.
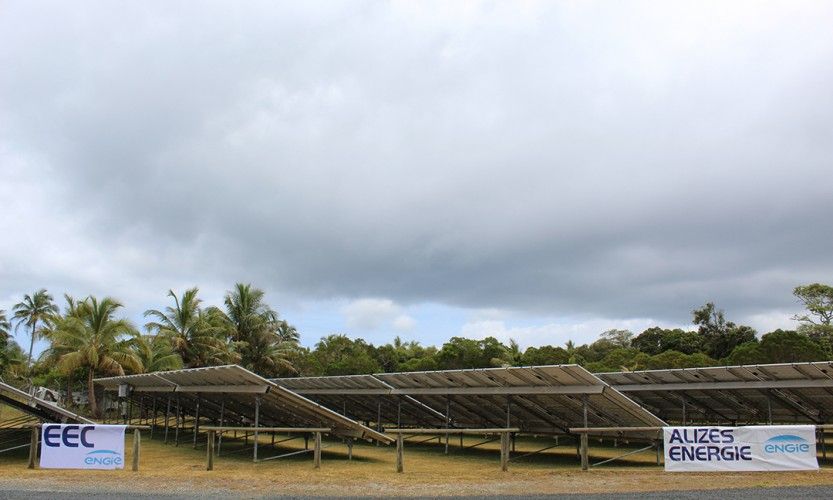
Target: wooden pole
137,443
504,451
400,451
33,448
317,452
209,451
585,462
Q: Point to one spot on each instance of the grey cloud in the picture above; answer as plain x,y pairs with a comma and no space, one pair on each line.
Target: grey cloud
627,160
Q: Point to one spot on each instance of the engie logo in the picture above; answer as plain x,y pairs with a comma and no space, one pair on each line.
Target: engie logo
786,443
103,457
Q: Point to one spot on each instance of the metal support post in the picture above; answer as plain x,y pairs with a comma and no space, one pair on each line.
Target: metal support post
220,437
349,448
197,422
176,430
447,420
153,422
378,418
257,423
167,417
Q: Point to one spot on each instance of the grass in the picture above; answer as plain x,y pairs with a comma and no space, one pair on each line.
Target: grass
170,469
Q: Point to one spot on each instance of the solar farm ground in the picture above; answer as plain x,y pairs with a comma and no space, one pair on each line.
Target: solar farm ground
170,470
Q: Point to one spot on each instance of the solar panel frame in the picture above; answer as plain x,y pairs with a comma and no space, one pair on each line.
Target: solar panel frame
783,392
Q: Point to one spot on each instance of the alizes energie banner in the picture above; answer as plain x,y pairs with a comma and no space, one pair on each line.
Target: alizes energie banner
750,448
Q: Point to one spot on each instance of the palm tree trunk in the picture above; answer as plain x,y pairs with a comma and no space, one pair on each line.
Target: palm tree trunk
31,347
91,395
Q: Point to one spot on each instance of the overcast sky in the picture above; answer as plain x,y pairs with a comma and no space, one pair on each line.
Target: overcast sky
543,171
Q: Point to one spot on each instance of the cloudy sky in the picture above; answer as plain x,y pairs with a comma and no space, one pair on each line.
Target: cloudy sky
542,171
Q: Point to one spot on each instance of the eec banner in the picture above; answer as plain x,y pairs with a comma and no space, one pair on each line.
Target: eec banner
751,448
74,446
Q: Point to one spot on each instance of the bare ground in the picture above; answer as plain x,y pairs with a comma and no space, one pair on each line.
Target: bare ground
428,472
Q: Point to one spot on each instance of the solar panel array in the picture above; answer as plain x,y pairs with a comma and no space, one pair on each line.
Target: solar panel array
782,393
231,393
543,399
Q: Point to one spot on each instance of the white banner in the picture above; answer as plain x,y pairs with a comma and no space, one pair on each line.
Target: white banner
751,448
74,446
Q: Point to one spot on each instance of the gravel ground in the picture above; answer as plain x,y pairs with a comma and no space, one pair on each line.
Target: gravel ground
808,492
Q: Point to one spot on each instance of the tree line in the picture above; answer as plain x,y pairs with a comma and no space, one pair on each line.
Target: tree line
88,338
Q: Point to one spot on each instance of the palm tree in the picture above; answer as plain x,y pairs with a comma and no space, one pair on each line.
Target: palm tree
95,340
265,342
247,312
155,353
34,309
197,336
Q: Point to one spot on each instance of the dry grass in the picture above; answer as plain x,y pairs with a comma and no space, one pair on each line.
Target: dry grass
169,469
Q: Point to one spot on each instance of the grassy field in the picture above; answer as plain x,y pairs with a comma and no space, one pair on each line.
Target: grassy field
170,469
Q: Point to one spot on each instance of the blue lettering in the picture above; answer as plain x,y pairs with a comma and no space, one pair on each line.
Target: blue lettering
48,436
84,442
67,436
675,437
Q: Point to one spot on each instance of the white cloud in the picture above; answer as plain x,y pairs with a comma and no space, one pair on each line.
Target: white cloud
404,323
374,313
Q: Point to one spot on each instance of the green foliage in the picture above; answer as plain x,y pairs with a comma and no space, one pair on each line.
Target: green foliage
719,336
198,336
459,353
339,355
155,353
655,340
818,300
676,359
545,355
787,346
